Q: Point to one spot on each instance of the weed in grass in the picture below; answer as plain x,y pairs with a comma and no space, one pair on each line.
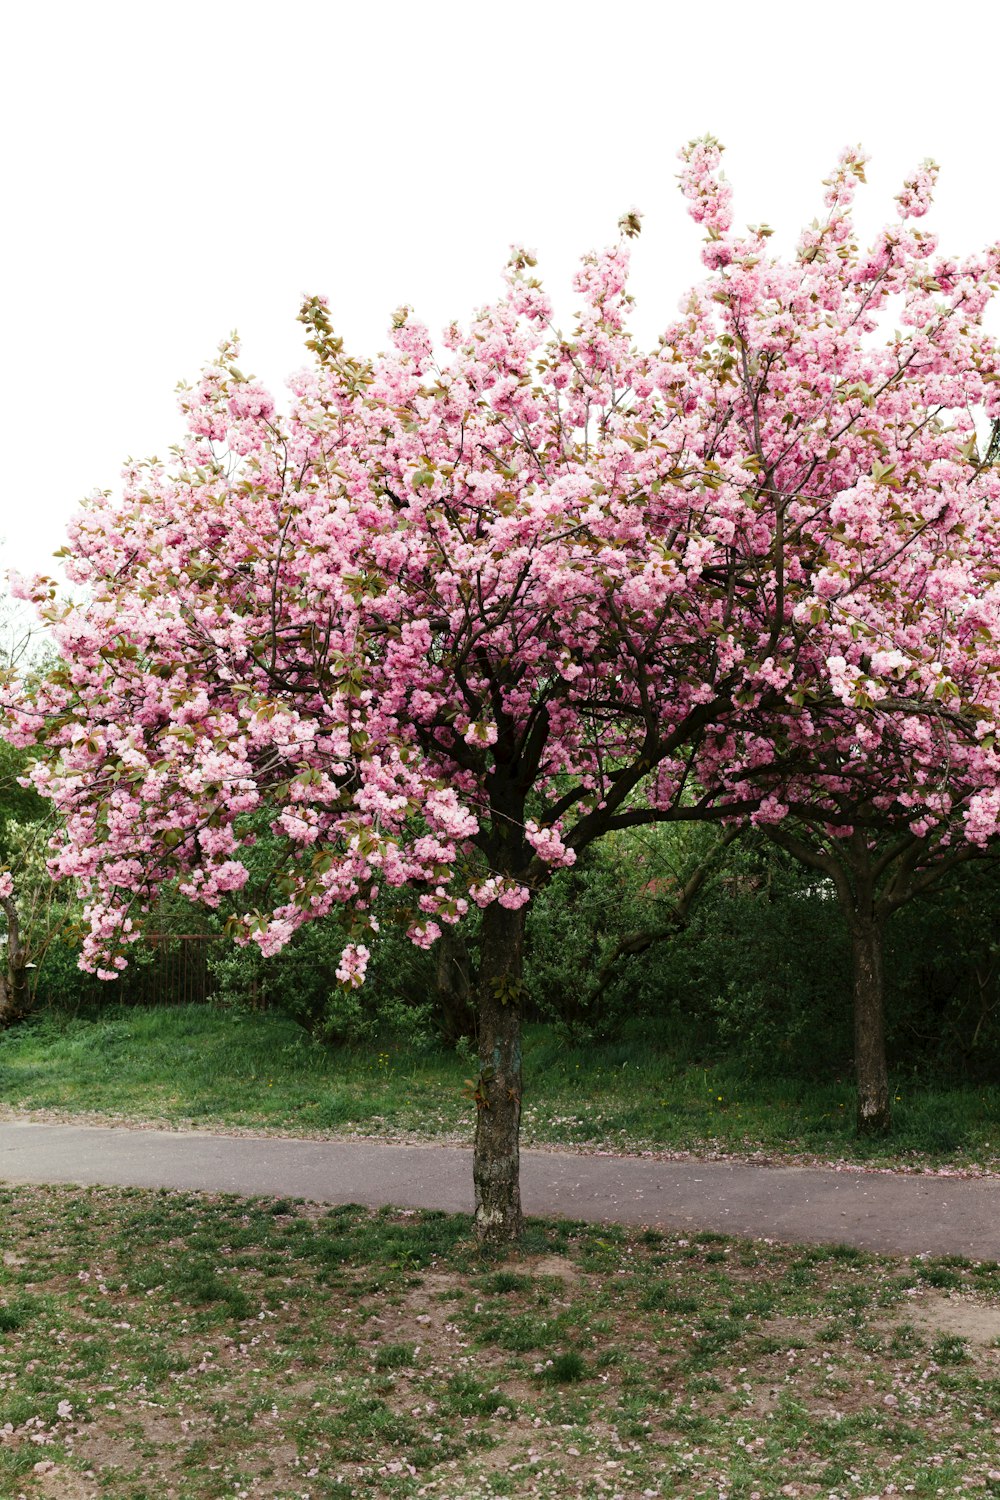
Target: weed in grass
833,1332
941,1277
950,1350
18,1312
986,1276
608,1359
366,1424
200,1284
521,1334
555,1237
282,1206
758,1302
843,1252
395,1356
15,1463
765,1344
906,1342
666,1299
466,1396
505,1281
798,1277
869,1341
852,1298
564,1369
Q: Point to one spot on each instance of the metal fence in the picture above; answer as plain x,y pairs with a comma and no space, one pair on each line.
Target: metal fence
177,971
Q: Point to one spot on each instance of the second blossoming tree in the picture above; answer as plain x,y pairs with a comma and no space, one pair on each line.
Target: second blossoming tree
456,614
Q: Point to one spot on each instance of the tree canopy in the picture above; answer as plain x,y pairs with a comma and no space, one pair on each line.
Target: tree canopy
459,612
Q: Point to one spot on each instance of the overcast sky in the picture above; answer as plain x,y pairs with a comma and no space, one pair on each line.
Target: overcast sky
174,170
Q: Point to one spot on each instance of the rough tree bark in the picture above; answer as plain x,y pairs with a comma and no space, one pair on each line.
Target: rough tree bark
496,1156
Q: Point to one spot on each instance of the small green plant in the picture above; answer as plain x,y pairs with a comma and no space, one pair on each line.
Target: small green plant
905,1342
502,1282
666,1299
942,1277
564,1369
467,1396
395,1356
17,1313
949,1349
465,1050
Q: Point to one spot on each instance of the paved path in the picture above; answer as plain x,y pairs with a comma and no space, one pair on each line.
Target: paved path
876,1211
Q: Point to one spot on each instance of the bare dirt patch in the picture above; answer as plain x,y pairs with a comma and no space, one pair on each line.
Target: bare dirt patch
425,1310
552,1265
63,1484
960,1317
101,1449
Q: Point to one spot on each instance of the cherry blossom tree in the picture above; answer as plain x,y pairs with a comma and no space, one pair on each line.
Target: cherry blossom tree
457,614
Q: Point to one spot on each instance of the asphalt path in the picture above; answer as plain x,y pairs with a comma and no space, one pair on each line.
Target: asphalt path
889,1212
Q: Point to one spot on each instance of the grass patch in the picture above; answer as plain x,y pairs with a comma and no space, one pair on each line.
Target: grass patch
16,1313
207,1345
196,1065
505,1281
394,1356
565,1369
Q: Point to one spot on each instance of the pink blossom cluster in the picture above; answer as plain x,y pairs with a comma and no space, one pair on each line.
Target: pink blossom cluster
505,892
460,610
709,196
918,191
353,965
548,845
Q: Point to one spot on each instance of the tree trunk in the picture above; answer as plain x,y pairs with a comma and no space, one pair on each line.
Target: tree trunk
496,1161
874,1108
7,1011
13,989
454,988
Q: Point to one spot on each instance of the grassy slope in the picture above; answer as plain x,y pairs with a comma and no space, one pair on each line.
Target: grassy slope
189,1348
195,1065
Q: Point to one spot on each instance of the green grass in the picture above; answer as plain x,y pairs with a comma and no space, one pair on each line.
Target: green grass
210,1346
194,1065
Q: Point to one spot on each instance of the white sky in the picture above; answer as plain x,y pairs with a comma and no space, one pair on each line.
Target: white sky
174,170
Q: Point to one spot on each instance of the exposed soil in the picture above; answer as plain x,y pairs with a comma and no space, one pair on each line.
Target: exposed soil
939,1313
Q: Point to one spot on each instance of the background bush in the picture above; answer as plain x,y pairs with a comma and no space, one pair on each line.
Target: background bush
758,972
